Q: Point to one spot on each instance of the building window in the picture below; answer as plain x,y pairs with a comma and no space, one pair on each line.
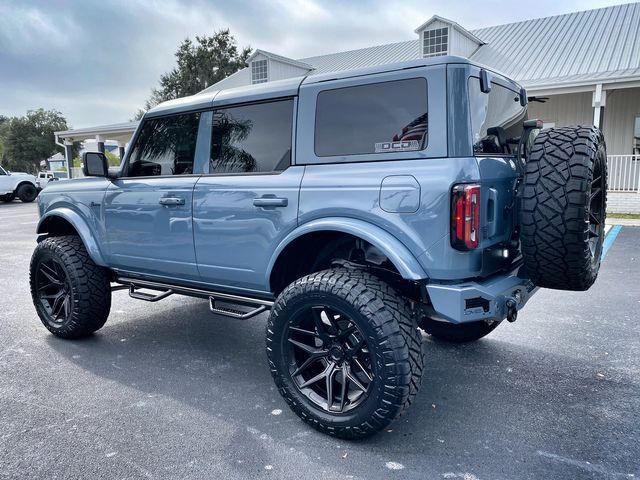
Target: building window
259,71
435,42
636,137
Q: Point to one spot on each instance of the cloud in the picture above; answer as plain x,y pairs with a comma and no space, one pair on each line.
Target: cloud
97,61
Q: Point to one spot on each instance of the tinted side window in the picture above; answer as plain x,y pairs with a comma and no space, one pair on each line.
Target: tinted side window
496,118
252,138
165,146
374,118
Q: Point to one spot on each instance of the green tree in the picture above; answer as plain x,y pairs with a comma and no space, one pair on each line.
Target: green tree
113,159
200,64
30,139
4,124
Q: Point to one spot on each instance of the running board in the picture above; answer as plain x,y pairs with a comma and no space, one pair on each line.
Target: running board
258,305
230,312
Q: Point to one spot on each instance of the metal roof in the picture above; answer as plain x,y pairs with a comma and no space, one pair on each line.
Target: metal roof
280,58
592,44
586,43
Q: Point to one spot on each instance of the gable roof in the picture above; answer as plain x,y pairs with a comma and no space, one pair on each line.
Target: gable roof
455,25
590,45
279,58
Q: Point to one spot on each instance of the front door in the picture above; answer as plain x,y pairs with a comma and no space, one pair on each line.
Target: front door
249,201
148,212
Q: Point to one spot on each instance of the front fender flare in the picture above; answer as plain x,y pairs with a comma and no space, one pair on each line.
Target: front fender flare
395,251
81,227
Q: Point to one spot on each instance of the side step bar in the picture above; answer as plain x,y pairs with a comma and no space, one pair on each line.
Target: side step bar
258,305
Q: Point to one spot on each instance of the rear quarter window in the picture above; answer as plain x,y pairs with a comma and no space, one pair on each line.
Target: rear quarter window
496,119
374,118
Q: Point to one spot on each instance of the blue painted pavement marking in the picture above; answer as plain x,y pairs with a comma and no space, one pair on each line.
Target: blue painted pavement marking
609,239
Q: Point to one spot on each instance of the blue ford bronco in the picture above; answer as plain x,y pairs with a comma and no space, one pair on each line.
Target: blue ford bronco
358,208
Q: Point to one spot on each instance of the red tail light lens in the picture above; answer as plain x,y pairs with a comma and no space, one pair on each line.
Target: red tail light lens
465,216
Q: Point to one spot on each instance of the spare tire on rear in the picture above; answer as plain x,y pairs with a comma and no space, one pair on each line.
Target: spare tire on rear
563,207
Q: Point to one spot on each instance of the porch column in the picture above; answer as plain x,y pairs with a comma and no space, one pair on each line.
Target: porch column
100,142
598,103
68,155
121,146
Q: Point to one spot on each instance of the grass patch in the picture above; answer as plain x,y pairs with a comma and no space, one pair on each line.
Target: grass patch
633,216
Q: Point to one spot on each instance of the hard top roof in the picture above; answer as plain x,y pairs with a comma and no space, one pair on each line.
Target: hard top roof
288,87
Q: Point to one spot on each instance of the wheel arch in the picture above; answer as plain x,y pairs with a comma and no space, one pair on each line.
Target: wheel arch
64,221
396,252
25,182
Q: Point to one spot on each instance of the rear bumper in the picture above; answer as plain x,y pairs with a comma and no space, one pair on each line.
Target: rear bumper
482,300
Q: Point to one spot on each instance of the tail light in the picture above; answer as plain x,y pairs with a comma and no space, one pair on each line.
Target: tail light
465,216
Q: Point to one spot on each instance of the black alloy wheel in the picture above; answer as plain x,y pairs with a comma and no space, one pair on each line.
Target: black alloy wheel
344,351
597,210
72,294
54,292
329,359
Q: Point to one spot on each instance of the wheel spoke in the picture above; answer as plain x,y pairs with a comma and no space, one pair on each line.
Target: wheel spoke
304,346
330,373
318,377
594,193
593,219
67,305
50,274
593,234
57,305
303,331
343,389
48,285
364,370
595,180
355,381
312,358
53,295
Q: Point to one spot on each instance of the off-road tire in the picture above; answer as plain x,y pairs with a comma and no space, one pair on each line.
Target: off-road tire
8,197
27,193
89,287
457,332
556,207
392,336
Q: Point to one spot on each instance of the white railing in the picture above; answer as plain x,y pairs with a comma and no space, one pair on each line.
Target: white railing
624,173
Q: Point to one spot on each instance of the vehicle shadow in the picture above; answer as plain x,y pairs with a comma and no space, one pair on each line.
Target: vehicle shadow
477,399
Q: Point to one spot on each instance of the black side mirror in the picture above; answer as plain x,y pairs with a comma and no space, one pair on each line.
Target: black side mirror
95,164
485,81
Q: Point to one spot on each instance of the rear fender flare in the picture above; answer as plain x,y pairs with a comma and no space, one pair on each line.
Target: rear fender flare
80,225
395,251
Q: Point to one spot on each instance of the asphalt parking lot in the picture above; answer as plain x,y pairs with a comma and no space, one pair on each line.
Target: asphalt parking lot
169,390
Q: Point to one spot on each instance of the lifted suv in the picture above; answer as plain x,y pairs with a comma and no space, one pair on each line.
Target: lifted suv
355,206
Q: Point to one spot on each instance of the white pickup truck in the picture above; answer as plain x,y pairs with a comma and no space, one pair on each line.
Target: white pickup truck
17,184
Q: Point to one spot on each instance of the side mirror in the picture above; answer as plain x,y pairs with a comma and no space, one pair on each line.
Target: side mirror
95,164
485,81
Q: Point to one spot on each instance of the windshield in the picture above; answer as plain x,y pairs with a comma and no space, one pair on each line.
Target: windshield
3,171
496,119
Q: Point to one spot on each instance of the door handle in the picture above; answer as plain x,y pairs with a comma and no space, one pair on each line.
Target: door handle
171,201
270,202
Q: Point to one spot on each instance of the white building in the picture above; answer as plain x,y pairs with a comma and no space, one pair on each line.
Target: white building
584,65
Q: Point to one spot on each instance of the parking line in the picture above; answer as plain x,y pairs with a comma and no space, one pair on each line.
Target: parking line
609,239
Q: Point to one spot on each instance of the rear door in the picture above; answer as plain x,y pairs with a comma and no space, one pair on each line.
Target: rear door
248,201
148,212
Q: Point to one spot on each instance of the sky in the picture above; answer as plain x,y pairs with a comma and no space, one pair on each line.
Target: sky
97,61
